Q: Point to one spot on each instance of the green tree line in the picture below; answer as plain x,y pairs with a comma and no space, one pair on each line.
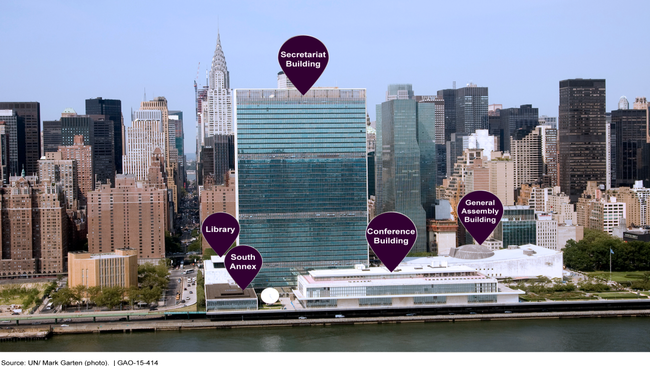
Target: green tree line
592,253
152,281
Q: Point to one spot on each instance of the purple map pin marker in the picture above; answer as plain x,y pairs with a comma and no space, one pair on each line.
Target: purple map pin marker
243,263
220,230
303,60
391,236
480,212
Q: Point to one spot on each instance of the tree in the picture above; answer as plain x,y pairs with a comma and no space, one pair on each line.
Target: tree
80,292
150,295
207,253
63,297
134,295
112,296
95,295
195,246
150,276
27,302
172,243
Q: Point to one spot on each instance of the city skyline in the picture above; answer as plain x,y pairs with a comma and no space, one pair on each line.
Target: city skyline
546,50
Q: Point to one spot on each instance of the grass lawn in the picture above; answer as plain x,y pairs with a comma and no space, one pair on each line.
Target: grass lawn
618,295
562,296
16,293
620,277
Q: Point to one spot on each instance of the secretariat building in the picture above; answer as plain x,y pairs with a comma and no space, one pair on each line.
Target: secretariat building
301,179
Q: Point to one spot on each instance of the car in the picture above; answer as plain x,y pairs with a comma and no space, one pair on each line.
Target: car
65,325
185,289
339,316
302,317
187,298
411,314
452,313
508,312
191,292
67,320
472,313
182,301
6,321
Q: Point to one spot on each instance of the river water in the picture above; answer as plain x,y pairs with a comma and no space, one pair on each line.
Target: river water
572,335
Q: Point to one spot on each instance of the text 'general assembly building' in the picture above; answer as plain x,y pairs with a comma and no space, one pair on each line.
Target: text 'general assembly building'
302,179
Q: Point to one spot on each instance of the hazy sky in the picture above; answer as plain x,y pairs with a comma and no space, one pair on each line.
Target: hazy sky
60,53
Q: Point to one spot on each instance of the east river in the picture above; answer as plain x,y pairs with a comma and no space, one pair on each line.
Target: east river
557,335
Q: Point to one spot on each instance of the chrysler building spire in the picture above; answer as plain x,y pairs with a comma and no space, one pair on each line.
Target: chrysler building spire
219,77
217,111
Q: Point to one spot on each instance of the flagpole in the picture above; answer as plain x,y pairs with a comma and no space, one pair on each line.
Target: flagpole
610,264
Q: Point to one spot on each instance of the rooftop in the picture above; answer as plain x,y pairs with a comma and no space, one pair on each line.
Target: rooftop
499,255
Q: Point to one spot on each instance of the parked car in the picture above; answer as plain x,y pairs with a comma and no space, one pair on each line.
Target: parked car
339,316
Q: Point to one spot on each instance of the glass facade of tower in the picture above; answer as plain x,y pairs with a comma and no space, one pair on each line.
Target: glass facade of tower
517,226
112,109
407,167
630,151
582,135
301,164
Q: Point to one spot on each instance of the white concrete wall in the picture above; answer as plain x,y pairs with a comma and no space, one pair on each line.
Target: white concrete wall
536,265
402,301
453,300
507,298
446,241
347,303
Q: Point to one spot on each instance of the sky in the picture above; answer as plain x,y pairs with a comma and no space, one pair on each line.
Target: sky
60,53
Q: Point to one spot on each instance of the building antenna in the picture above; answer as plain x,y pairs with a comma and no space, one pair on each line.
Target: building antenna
145,95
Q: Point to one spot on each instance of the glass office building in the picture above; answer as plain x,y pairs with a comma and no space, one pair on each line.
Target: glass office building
517,226
406,155
301,166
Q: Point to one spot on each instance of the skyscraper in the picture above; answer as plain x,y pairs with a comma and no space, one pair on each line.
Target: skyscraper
97,131
408,153
131,215
471,108
112,109
15,129
581,135
527,155
145,135
31,114
177,118
83,155
53,168
449,98
51,136
217,116
4,153
466,110
632,151
171,154
219,106
302,179
34,228
512,119
441,150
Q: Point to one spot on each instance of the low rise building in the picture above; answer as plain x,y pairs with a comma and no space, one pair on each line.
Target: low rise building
407,286
119,268
221,291
517,262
